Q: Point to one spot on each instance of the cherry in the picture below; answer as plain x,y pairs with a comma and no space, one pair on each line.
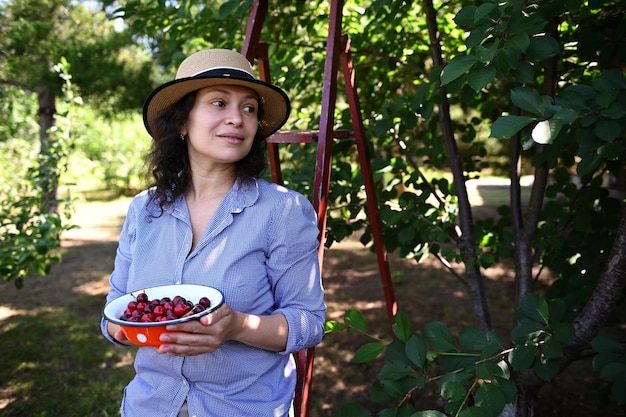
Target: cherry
142,309
180,310
159,310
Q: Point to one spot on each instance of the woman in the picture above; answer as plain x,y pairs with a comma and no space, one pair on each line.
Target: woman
209,219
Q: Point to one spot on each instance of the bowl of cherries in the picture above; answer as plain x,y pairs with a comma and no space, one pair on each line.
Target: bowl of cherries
144,314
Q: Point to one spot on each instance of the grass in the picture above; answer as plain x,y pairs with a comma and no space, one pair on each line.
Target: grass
60,352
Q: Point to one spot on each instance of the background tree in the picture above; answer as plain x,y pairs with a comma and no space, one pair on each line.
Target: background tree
37,34
34,37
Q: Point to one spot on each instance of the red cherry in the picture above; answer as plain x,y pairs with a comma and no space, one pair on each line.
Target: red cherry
159,311
180,310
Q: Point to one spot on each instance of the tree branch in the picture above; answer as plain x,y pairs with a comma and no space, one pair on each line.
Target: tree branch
609,289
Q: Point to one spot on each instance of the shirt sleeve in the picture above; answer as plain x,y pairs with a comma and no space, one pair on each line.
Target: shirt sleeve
294,271
123,259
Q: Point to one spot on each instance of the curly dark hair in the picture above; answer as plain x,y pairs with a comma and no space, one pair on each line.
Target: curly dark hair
168,160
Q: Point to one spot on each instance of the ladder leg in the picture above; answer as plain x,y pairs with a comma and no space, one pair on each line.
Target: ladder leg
368,180
323,164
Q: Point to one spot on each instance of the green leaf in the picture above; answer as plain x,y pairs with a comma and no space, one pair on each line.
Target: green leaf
354,319
483,11
542,47
589,164
546,369
332,326
612,150
534,307
391,387
465,16
368,352
416,350
615,372
606,359
566,115
506,127
564,332
457,67
607,130
395,370
474,411
518,42
619,391
546,131
439,336
472,338
490,398
493,345
615,111
401,326
452,390
478,78
486,55
406,235
429,413
227,8
603,343
487,370
527,333
528,99
552,349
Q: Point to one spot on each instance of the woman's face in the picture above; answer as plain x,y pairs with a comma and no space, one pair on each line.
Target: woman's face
222,124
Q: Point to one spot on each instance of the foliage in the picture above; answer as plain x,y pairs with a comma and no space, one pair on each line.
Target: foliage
31,234
576,129
473,371
114,72
108,154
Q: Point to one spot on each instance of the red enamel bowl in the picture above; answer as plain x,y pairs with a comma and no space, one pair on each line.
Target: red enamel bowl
147,334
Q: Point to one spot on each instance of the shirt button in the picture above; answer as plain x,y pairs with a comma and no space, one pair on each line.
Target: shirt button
185,381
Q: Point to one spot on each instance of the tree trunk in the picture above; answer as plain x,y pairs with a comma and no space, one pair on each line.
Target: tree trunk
466,222
608,291
47,109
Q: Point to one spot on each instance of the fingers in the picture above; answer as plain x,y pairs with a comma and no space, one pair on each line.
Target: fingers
196,337
187,344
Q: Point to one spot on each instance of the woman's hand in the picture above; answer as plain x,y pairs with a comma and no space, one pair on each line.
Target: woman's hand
208,333
117,333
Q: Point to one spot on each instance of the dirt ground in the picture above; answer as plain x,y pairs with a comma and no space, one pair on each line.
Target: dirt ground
426,292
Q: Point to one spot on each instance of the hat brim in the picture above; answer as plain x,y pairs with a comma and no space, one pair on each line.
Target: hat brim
276,104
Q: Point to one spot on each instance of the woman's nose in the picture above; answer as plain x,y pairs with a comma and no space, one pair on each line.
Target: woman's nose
234,117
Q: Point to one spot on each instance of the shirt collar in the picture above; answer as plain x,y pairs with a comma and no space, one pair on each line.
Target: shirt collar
244,193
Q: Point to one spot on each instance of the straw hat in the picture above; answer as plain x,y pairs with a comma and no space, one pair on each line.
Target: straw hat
218,67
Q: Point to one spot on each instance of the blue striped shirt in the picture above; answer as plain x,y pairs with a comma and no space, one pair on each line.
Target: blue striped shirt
260,250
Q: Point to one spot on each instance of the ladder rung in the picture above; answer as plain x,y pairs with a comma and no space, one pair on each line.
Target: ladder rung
304,136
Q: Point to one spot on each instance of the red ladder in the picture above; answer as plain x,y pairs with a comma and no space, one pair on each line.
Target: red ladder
337,53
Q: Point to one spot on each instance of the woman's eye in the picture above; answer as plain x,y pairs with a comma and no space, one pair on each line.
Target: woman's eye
218,103
249,109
